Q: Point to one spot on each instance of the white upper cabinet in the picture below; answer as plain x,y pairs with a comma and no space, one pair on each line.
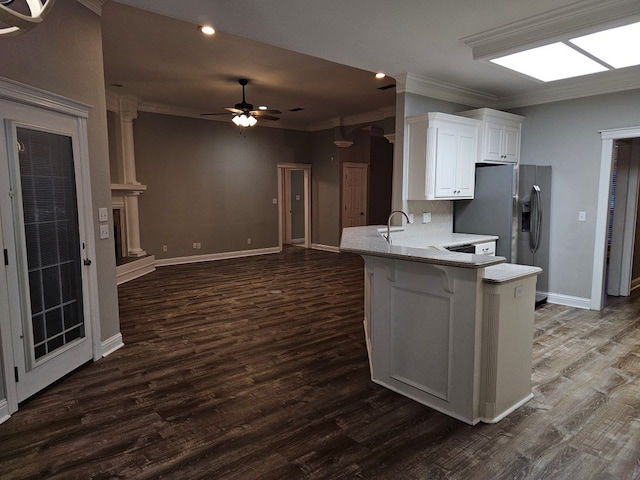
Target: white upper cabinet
499,135
442,156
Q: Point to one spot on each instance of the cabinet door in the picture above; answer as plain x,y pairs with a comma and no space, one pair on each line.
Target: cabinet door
511,150
445,164
493,140
465,164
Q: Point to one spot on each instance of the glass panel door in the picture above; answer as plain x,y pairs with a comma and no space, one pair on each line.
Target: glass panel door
49,206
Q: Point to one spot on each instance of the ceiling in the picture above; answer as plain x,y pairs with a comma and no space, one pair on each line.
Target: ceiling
320,55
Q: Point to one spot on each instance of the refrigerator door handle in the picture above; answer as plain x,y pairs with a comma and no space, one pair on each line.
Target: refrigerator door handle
536,227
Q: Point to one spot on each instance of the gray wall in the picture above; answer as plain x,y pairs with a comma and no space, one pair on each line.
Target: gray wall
63,55
208,183
325,189
566,136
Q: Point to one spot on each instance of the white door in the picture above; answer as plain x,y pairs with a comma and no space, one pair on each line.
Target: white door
40,191
354,194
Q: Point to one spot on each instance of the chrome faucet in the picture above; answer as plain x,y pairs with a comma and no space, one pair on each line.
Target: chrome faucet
388,237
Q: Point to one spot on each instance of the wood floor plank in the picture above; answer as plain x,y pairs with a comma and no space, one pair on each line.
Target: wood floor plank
256,368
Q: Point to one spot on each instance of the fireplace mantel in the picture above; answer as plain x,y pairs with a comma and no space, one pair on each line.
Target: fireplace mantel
127,188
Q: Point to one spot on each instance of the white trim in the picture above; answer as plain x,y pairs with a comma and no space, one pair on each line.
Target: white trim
569,301
163,262
112,344
135,269
589,85
284,169
325,248
24,94
411,83
560,23
4,411
602,210
93,5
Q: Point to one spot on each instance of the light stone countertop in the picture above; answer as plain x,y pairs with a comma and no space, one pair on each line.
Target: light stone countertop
405,245
507,272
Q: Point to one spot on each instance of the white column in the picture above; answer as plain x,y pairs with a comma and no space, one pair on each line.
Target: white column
128,112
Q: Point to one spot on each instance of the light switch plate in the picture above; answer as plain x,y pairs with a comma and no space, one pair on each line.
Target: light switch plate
103,214
104,231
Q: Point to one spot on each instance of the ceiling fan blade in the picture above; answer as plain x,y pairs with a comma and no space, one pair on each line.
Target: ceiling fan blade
219,113
265,112
234,110
266,117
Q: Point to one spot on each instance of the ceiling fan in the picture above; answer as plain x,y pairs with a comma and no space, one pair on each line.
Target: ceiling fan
244,114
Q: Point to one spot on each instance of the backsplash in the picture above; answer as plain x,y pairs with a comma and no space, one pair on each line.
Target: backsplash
441,215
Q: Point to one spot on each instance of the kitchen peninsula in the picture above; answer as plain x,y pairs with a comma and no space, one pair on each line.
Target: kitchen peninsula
451,330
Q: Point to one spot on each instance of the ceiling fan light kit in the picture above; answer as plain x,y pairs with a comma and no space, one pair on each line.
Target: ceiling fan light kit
244,121
243,113
19,23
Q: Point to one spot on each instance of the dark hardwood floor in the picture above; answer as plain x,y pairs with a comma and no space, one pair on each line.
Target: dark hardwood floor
256,368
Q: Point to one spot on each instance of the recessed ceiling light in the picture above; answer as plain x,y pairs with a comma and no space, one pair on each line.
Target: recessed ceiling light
207,29
380,75
550,62
617,47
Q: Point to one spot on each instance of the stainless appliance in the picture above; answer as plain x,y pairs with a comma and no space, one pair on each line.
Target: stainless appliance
512,202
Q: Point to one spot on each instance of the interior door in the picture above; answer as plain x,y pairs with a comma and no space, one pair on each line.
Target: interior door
43,237
354,194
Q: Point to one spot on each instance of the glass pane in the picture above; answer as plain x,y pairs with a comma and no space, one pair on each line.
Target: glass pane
51,232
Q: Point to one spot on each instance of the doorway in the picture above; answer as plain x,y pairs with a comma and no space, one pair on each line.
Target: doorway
48,323
599,283
294,198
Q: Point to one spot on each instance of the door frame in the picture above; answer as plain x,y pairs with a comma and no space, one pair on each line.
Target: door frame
14,97
284,170
608,138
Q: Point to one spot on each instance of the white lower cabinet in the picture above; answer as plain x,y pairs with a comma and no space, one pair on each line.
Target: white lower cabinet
458,340
442,156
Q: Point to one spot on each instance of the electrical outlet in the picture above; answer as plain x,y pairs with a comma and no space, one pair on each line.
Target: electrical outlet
426,217
198,245
411,218
248,241
195,245
582,216
164,248
275,201
518,291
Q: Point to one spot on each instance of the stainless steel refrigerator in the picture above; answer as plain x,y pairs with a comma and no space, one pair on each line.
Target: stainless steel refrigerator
512,202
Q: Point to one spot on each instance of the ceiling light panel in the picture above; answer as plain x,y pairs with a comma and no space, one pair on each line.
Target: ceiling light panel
550,62
618,47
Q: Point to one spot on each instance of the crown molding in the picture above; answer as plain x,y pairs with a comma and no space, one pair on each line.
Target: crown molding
93,5
596,84
348,120
554,24
428,87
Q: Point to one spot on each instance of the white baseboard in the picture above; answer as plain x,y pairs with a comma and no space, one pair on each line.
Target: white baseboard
215,256
326,248
569,301
135,269
112,344
4,411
